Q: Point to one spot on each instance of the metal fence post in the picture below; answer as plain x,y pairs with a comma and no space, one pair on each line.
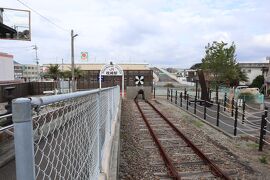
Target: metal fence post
181,99
154,92
232,107
98,130
195,104
171,94
185,93
210,94
262,132
23,139
187,101
168,93
216,94
243,113
225,101
176,97
204,110
218,110
235,120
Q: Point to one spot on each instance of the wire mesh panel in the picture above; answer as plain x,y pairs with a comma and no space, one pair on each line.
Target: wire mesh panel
65,139
69,132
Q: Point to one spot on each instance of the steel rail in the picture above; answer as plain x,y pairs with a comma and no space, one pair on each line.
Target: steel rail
168,161
215,169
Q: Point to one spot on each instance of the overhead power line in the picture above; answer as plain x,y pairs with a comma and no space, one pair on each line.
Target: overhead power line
47,19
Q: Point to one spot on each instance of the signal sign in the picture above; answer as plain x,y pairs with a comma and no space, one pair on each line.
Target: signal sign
139,80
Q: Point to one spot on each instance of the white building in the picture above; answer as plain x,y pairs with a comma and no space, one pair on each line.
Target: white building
253,70
6,67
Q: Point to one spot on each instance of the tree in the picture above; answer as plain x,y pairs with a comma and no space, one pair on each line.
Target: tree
258,81
220,63
78,73
53,72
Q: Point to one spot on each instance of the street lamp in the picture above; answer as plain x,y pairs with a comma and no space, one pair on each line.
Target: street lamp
72,60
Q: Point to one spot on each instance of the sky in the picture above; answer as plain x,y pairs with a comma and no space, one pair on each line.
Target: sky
164,33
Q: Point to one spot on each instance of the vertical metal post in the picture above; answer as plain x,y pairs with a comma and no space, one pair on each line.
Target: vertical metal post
243,111
98,129
196,95
210,94
263,124
218,111
181,99
195,104
23,139
225,101
171,94
175,97
216,93
185,93
187,102
204,110
232,107
154,92
168,94
235,120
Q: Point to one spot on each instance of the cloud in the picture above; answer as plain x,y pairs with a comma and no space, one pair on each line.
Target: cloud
161,32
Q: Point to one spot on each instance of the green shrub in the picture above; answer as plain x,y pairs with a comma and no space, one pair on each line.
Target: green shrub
263,160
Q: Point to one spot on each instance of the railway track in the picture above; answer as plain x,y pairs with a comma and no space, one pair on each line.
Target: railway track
182,158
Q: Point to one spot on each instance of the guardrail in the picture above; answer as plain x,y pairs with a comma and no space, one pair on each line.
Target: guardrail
62,136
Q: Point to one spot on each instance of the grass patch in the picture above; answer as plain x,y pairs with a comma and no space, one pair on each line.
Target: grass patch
263,160
253,145
198,124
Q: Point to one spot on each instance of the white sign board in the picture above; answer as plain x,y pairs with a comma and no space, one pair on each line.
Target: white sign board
111,70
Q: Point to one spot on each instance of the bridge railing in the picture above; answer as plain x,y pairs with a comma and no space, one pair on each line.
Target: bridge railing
62,136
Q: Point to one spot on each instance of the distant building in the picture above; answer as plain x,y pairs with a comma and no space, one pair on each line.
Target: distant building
253,70
27,72
91,75
6,67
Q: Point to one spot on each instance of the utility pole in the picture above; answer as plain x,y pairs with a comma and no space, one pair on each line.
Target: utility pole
72,60
36,48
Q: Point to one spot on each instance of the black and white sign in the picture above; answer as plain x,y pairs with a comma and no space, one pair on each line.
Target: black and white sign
139,80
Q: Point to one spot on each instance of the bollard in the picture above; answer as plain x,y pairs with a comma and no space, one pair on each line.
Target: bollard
218,111
225,101
262,132
235,120
204,110
175,97
171,94
243,113
232,107
181,99
187,102
195,104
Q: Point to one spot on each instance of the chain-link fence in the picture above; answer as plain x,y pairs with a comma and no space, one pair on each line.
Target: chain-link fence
62,136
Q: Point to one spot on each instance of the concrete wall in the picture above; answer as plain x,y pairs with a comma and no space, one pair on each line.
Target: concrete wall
252,73
132,91
6,67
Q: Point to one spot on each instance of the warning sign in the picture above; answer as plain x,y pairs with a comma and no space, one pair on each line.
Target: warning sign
84,56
